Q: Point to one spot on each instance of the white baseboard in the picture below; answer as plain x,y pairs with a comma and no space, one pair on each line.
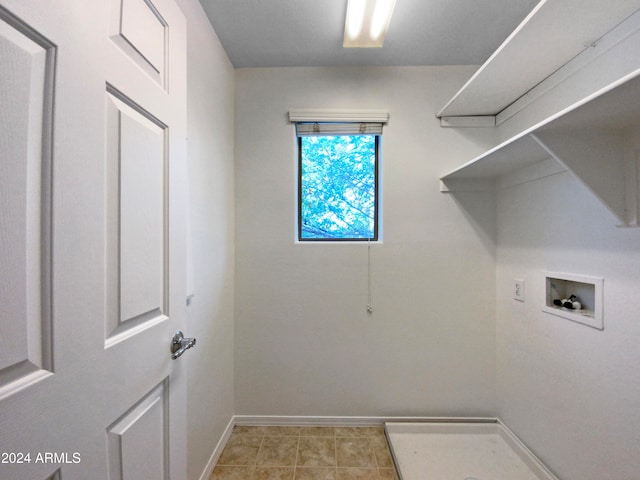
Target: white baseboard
283,420
213,459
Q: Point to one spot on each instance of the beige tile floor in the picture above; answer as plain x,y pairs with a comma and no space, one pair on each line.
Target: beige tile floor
305,453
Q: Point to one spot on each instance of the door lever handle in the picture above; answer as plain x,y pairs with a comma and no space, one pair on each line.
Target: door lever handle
180,344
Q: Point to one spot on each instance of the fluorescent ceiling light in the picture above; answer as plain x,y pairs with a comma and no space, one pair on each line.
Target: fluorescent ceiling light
355,18
367,22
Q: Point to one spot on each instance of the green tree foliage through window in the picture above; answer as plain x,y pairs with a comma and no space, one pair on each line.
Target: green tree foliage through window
338,187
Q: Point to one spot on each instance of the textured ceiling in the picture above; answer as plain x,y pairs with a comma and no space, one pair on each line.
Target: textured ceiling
286,33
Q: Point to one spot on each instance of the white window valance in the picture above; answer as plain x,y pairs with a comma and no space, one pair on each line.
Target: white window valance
338,122
337,115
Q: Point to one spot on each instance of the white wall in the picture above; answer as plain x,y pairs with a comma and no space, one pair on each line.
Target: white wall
210,116
570,392
304,344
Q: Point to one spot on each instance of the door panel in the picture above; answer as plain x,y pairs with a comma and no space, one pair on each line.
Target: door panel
137,199
142,216
138,441
25,188
139,29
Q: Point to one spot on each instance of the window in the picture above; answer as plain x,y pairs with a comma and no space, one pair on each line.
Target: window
338,166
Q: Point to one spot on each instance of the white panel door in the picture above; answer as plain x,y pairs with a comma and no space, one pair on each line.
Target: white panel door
92,239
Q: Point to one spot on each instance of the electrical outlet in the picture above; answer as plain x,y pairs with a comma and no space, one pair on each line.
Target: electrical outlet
518,289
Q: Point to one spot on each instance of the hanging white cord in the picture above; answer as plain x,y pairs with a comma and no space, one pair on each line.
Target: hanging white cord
369,307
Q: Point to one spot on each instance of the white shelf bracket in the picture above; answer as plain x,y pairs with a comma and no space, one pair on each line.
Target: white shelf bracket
596,159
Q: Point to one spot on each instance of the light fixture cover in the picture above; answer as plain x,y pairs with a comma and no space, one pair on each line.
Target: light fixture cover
367,23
